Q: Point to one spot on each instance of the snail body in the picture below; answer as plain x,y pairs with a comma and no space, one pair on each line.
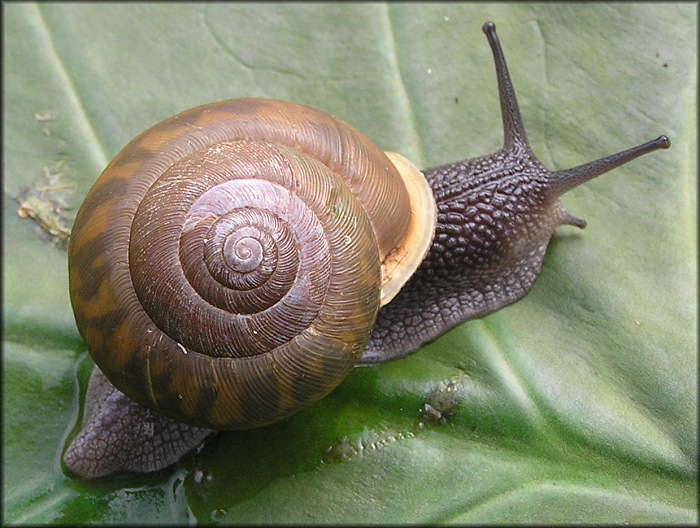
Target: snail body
228,267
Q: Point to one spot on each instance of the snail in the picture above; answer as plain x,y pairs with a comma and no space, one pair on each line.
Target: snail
236,261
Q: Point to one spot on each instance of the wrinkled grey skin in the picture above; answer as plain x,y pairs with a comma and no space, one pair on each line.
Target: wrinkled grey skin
120,435
496,215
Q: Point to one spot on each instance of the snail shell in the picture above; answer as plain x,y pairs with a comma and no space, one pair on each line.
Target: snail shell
227,267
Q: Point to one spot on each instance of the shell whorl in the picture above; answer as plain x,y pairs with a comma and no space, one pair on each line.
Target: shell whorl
224,270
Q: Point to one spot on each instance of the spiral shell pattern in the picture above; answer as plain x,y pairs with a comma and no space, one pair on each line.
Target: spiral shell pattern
224,269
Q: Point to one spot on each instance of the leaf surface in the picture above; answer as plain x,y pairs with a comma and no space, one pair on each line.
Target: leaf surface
576,404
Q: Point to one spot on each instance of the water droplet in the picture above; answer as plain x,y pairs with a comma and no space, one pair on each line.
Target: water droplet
342,452
201,477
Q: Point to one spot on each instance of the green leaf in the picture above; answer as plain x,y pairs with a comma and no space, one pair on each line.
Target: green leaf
575,405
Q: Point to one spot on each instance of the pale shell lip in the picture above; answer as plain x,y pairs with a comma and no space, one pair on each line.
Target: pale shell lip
404,260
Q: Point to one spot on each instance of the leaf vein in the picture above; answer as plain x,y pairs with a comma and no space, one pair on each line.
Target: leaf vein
81,117
404,98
